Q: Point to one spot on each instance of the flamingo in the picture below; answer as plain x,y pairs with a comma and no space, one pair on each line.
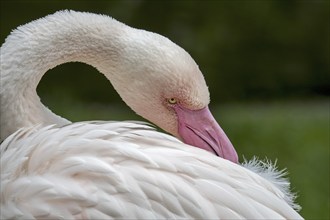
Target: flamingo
52,168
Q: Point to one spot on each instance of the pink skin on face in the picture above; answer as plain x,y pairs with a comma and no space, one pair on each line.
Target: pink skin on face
200,129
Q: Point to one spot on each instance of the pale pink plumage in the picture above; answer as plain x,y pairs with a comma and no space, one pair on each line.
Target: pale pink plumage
54,169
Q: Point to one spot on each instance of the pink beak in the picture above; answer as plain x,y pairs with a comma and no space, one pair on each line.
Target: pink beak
200,129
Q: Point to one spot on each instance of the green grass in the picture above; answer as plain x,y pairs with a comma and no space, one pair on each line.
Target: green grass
296,134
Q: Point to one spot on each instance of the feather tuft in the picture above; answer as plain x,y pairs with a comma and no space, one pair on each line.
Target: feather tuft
269,170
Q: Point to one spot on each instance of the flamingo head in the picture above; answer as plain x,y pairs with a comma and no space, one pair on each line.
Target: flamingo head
161,82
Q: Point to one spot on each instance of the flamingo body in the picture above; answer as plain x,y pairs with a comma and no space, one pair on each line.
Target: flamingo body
127,170
54,169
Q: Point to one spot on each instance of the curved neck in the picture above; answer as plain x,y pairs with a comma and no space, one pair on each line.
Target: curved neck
36,47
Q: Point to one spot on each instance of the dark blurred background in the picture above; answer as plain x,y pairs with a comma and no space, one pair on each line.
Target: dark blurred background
266,63
248,50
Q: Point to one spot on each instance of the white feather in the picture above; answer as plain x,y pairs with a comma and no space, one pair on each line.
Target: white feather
126,170
54,169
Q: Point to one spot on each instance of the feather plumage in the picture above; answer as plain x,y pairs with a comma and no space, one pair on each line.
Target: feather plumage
54,169
127,170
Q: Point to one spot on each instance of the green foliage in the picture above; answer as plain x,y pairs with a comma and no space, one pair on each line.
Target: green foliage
297,135
255,49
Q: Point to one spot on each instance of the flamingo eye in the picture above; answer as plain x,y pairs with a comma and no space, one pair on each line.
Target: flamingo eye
172,101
